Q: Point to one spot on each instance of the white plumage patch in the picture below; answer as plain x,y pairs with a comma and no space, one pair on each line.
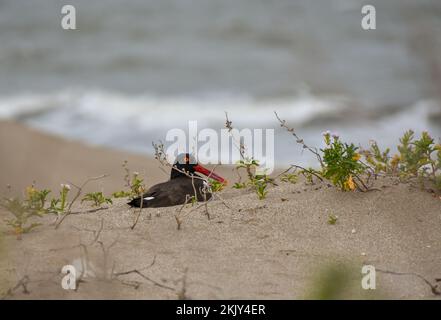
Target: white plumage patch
206,187
149,198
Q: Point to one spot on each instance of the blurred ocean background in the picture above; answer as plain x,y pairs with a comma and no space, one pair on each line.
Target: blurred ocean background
134,69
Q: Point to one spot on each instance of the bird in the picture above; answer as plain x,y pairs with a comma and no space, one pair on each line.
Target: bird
184,183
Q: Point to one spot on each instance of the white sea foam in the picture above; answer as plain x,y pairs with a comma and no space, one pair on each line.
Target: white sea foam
132,122
155,112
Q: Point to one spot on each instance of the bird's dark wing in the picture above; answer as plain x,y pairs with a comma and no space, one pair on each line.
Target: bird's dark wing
171,193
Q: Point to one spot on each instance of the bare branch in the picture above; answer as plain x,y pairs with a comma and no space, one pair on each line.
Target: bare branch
298,139
136,271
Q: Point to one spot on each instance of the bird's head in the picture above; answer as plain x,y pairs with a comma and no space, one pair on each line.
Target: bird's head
185,162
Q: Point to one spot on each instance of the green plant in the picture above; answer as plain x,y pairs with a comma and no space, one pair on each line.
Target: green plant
416,158
97,199
137,187
21,215
249,164
34,205
264,177
341,162
193,200
133,182
216,186
332,219
336,281
420,158
239,185
121,194
257,182
59,205
379,160
261,191
416,155
36,199
290,177
308,175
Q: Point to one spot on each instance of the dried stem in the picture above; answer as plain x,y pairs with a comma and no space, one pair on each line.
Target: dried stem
138,272
298,139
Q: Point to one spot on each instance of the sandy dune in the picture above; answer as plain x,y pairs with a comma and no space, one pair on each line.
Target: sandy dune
278,248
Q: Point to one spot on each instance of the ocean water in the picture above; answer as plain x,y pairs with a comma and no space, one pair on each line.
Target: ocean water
135,69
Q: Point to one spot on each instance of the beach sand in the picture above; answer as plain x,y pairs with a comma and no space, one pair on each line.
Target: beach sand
281,247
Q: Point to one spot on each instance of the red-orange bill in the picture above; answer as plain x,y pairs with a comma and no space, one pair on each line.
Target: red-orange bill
210,174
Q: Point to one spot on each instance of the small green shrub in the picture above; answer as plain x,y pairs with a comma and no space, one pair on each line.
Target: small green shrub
96,198
332,219
137,185
379,160
59,206
261,191
35,200
290,177
34,205
240,185
416,155
216,186
250,165
21,216
416,158
121,194
257,182
341,162
134,183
